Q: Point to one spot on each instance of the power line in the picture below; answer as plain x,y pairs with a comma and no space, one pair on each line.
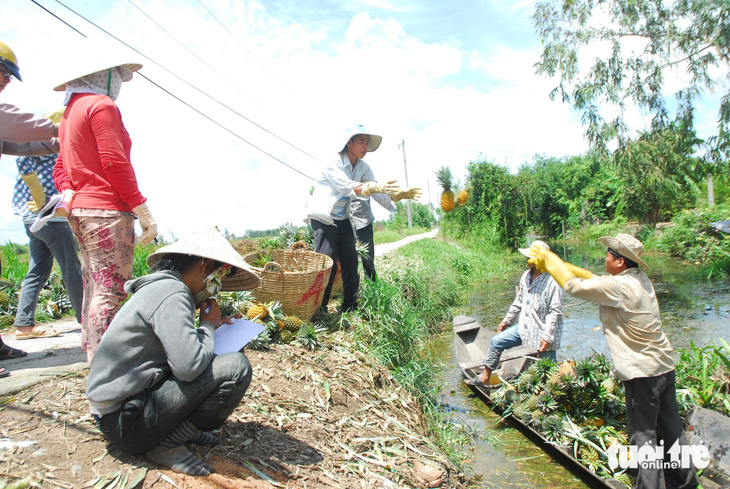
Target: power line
202,92
223,127
196,56
59,18
242,45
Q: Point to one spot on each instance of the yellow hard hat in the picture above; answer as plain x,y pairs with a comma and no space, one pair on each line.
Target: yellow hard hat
9,61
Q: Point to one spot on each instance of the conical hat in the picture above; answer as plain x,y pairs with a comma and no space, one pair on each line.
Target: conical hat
210,243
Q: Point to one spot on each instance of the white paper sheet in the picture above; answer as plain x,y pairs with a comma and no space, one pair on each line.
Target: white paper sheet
234,336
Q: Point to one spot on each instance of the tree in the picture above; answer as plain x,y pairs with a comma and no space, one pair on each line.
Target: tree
646,43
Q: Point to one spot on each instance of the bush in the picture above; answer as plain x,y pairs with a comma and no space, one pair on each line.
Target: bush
693,239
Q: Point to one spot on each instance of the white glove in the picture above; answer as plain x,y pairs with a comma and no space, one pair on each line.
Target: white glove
148,223
369,188
63,208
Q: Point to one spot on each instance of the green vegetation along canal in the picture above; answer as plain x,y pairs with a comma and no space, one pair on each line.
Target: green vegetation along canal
694,309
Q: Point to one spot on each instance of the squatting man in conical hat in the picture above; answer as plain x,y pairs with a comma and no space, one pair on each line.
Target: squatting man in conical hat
641,352
155,383
23,134
343,180
538,313
95,175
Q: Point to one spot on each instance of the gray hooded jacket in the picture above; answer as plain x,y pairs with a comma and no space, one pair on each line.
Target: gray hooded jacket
152,336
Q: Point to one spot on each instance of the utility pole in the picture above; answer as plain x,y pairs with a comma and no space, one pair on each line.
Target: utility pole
402,146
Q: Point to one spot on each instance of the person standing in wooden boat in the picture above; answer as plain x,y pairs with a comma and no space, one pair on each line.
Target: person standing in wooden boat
641,352
539,309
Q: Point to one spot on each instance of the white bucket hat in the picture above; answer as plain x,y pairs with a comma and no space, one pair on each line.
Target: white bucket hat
375,140
210,243
626,246
526,251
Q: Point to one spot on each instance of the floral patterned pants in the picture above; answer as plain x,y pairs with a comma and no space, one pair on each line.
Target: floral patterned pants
106,239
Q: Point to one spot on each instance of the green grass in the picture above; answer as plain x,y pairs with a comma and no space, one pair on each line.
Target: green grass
421,286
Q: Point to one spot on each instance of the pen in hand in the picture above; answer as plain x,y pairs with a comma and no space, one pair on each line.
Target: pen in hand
207,308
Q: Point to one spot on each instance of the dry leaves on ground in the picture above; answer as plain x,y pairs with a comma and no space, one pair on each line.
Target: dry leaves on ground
329,418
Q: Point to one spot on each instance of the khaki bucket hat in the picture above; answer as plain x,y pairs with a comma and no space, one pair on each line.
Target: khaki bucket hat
627,246
374,143
210,243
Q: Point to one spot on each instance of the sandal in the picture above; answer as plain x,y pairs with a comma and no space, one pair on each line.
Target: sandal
475,382
3,373
7,353
37,332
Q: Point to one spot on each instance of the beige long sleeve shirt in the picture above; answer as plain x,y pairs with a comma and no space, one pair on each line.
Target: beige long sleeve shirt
629,312
23,134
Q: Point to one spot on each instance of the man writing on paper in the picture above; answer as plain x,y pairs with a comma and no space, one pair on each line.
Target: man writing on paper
155,383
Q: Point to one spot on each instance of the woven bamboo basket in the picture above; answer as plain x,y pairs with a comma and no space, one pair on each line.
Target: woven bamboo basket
295,277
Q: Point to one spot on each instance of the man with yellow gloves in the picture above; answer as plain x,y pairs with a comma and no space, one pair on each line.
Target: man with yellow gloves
642,355
329,213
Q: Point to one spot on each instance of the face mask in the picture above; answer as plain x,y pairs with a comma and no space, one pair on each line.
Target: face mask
212,284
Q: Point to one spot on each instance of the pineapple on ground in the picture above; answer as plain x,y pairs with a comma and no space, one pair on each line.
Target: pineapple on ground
443,175
4,299
292,324
257,310
7,320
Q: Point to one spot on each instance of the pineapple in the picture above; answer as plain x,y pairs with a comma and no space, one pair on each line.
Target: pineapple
292,324
520,411
7,320
547,403
257,311
462,197
443,175
588,454
6,283
532,402
625,479
4,299
309,336
609,384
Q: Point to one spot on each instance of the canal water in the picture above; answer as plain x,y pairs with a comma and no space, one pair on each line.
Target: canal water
694,310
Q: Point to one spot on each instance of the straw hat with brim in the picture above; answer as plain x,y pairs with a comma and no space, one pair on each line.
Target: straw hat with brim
92,65
626,246
526,251
373,144
211,244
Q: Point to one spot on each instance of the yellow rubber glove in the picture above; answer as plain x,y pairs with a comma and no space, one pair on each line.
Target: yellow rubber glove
36,191
369,188
148,223
413,193
547,261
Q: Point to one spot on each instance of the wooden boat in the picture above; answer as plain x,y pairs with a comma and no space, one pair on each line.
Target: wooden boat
471,341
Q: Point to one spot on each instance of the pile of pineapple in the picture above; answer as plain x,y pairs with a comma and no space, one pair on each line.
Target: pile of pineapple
577,404
280,328
8,302
448,202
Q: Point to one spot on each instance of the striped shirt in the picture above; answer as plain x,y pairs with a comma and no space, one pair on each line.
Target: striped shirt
538,306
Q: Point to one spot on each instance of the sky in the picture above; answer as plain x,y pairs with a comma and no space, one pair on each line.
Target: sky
279,82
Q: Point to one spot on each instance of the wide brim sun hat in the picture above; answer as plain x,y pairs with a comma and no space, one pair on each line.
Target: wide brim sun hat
373,144
210,243
88,59
627,246
526,251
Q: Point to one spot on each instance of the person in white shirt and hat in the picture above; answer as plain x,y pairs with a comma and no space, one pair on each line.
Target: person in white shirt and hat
94,173
155,382
328,211
538,313
642,355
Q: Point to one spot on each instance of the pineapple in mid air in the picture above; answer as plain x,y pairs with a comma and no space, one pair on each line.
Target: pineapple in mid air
443,175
